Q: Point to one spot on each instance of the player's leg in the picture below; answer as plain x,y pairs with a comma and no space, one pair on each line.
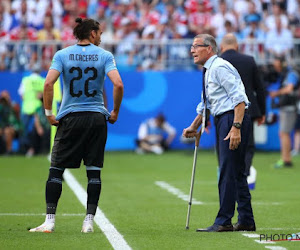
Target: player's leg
93,160
53,192
66,152
93,194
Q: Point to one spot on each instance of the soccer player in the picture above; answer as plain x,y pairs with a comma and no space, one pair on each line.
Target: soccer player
81,120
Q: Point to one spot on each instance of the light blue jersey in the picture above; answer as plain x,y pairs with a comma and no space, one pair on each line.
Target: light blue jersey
83,68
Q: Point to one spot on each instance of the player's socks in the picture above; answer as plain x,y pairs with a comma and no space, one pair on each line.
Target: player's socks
50,218
53,192
53,189
93,190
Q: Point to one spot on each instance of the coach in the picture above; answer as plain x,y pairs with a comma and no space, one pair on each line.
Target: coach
254,87
224,95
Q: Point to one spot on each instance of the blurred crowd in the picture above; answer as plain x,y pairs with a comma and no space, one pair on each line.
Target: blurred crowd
272,23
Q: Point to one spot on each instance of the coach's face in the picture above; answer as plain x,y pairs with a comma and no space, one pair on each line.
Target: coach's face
200,51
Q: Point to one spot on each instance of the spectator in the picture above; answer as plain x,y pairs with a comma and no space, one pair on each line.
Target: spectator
252,26
240,9
67,32
251,16
30,90
277,13
151,135
176,18
123,11
228,29
10,125
288,79
3,38
148,16
253,37
40,135
5,18
22,56
39,12
149,54
219,19
55,9
127,36
22,13
46,34
200,20
279,42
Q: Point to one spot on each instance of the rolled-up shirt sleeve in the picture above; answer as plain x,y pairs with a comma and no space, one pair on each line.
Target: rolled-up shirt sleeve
200,108
231,81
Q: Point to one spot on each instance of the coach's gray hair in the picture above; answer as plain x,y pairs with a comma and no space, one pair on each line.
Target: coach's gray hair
209,40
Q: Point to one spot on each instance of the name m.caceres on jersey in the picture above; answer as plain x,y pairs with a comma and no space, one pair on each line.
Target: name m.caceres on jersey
83,70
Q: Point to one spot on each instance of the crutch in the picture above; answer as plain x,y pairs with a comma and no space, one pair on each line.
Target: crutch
197,140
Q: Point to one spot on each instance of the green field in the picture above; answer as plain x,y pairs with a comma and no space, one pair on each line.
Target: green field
147,216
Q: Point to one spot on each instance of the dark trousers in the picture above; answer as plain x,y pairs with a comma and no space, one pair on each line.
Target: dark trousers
233,186
250,149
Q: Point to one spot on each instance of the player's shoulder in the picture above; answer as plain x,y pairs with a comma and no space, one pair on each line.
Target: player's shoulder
65,51
102,51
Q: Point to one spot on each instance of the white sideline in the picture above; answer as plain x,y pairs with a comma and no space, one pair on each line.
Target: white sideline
31,214
251,235
114,237
275,247
176,192
185,197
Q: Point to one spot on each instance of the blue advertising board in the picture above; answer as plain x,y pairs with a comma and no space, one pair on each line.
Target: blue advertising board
175,94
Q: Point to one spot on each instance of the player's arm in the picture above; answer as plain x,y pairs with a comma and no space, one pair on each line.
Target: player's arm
118,89
51,78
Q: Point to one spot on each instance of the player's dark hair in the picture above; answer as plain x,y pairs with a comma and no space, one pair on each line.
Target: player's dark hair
84,27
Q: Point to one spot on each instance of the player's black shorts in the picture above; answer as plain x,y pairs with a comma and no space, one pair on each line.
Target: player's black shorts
80,136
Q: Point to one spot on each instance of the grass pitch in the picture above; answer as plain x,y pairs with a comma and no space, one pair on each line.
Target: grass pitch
148,216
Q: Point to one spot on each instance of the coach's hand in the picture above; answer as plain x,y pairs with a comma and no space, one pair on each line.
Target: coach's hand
113,117
189,132
52,120
234,137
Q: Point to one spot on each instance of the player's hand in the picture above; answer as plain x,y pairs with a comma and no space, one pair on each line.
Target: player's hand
40,131
189,132
273,94
52,120
113,117
261,120
234,137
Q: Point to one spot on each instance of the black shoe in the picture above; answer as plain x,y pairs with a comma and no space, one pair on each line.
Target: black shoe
288,164
240,227
216,228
